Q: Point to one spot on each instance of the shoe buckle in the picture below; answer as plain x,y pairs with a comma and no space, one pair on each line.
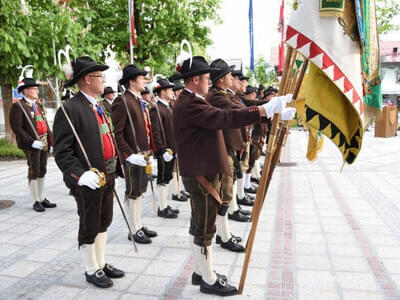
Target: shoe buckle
100,273
222,282
234,240
140,233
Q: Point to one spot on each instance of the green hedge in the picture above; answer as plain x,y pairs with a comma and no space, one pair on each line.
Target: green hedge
10,150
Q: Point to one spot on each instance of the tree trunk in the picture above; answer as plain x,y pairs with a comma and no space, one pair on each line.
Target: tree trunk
6,91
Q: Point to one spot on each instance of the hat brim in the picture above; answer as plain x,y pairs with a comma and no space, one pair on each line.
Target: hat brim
178,87
244,78
169,86
126,80
21,88
109,92
226,71
197,72
83,72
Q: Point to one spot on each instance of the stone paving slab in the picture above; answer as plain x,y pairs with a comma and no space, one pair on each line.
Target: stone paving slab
323,234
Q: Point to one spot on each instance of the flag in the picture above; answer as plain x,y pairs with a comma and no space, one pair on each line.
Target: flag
251,33
132,21
333,96
370,59
281,27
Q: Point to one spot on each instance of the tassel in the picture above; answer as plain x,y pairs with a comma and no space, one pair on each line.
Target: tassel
183,56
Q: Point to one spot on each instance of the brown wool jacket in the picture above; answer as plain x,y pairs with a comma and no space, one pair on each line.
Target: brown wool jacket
200,144
122,127
222,99
20,125
160,143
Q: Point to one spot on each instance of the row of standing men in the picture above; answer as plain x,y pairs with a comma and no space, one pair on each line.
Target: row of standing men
216,132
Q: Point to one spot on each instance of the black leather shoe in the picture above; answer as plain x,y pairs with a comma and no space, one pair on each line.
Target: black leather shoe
174,210
245,201
47,204
186,194
263,153
148,232
251,190
166,213
218,238
232,245
255,180
244,211
99,279
239,216
196,278
248,196
37,206
220,288
140,237
113,272
180,198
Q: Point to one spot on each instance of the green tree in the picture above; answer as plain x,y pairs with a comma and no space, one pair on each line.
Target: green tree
160,26
27,39
263,73
386,11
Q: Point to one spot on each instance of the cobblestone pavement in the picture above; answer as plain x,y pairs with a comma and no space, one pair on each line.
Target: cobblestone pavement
323,234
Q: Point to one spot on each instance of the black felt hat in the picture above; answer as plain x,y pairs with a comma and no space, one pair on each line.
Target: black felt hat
177,85
163,83
237,73
250,89
221,69
197,65
108,90
131,72
27,83
81,66
145,91
242,77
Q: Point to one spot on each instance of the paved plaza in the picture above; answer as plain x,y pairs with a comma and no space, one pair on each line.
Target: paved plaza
323,234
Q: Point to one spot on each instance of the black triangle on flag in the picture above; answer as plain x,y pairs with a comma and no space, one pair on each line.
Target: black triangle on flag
310,114
323,122
342,140
351,157
334,129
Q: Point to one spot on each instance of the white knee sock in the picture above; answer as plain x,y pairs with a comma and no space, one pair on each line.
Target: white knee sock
255,172
139,212
247,183
33,187
240,188
88,254
223,228
162,196
40,185
206,266
233,206
130,209
196,266
100,246
175,184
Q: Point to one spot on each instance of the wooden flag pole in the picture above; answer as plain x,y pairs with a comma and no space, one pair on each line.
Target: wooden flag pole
262,187
285,124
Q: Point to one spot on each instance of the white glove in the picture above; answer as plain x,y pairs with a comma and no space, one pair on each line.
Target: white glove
151,160
286,99
275,106
90,179
137,159
167,157
37,145
51,150
288,114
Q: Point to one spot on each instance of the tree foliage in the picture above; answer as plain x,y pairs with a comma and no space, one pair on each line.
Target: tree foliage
386,11
263,73
28,39
160,27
